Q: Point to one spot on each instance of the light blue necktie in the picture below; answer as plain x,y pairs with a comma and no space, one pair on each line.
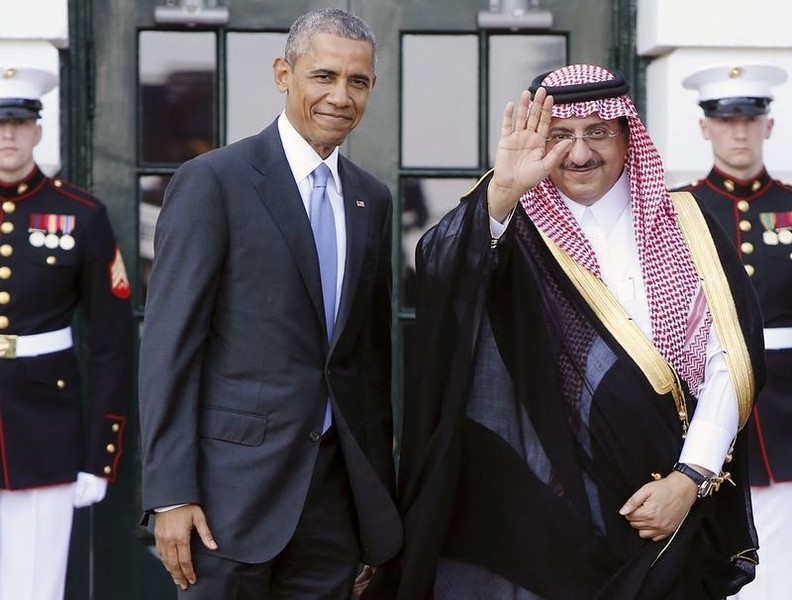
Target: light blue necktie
324,230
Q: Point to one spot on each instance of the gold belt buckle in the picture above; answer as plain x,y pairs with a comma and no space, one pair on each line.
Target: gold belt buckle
8,346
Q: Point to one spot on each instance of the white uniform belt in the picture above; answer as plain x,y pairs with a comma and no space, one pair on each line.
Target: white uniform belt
778,338
17,346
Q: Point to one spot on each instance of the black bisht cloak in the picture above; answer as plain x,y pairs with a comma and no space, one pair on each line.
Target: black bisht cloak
530,427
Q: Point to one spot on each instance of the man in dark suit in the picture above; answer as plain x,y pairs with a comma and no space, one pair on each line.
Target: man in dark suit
264,401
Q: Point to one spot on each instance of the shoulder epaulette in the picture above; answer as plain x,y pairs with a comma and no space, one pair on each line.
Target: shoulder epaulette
784,184
686,187
74,192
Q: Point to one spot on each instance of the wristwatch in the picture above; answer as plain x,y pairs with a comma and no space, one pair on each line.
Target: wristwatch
703,483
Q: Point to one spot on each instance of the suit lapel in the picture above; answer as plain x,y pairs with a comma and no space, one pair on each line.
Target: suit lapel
357,217
280,195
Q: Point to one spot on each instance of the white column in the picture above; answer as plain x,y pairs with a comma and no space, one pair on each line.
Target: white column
682,35
31,32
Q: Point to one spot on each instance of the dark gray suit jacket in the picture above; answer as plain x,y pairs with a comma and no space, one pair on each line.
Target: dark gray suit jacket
235,367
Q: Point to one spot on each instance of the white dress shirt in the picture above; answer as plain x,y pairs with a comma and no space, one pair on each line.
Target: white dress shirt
303,159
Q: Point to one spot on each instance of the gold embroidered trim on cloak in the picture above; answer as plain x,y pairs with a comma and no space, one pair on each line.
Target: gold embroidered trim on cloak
478,183
671,538
625,331
719,299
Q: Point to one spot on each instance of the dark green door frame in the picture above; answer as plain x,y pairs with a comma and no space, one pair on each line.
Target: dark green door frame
107,560
77,95
623,49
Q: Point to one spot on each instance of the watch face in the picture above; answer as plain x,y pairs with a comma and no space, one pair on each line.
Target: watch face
705,489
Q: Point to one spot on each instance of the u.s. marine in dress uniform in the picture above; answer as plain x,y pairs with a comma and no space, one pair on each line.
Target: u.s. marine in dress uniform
756,212
58,255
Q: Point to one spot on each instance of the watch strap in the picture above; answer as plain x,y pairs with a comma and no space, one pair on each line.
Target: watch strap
703,483
697,477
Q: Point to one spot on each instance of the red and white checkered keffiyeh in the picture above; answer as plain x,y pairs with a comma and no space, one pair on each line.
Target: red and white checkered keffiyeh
672,283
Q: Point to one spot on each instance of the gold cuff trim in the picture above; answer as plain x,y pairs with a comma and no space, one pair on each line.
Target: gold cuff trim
743,555
478,183
719,298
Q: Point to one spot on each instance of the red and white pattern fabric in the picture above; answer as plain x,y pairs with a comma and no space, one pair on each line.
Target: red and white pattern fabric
672,283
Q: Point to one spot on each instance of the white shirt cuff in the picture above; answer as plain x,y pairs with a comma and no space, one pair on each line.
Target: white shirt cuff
706,445
167,508
497,228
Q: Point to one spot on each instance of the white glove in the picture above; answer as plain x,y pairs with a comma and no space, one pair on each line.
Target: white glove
88,489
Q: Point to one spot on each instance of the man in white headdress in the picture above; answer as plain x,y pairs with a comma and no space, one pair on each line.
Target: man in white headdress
590,353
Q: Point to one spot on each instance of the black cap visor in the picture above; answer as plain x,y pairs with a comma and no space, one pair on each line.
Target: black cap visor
735,107
12,109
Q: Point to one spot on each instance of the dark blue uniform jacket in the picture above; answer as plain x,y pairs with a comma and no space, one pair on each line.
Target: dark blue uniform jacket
757,216
58,254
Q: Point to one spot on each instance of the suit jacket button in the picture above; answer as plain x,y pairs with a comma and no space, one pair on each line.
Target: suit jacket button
315,435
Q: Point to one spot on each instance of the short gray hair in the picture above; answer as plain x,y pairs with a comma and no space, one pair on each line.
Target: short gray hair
327,20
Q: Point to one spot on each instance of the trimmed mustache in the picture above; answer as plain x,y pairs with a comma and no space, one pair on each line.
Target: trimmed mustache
589,164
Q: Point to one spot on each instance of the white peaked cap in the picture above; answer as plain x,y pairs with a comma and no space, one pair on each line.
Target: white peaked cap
21,89
735,89
26,82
